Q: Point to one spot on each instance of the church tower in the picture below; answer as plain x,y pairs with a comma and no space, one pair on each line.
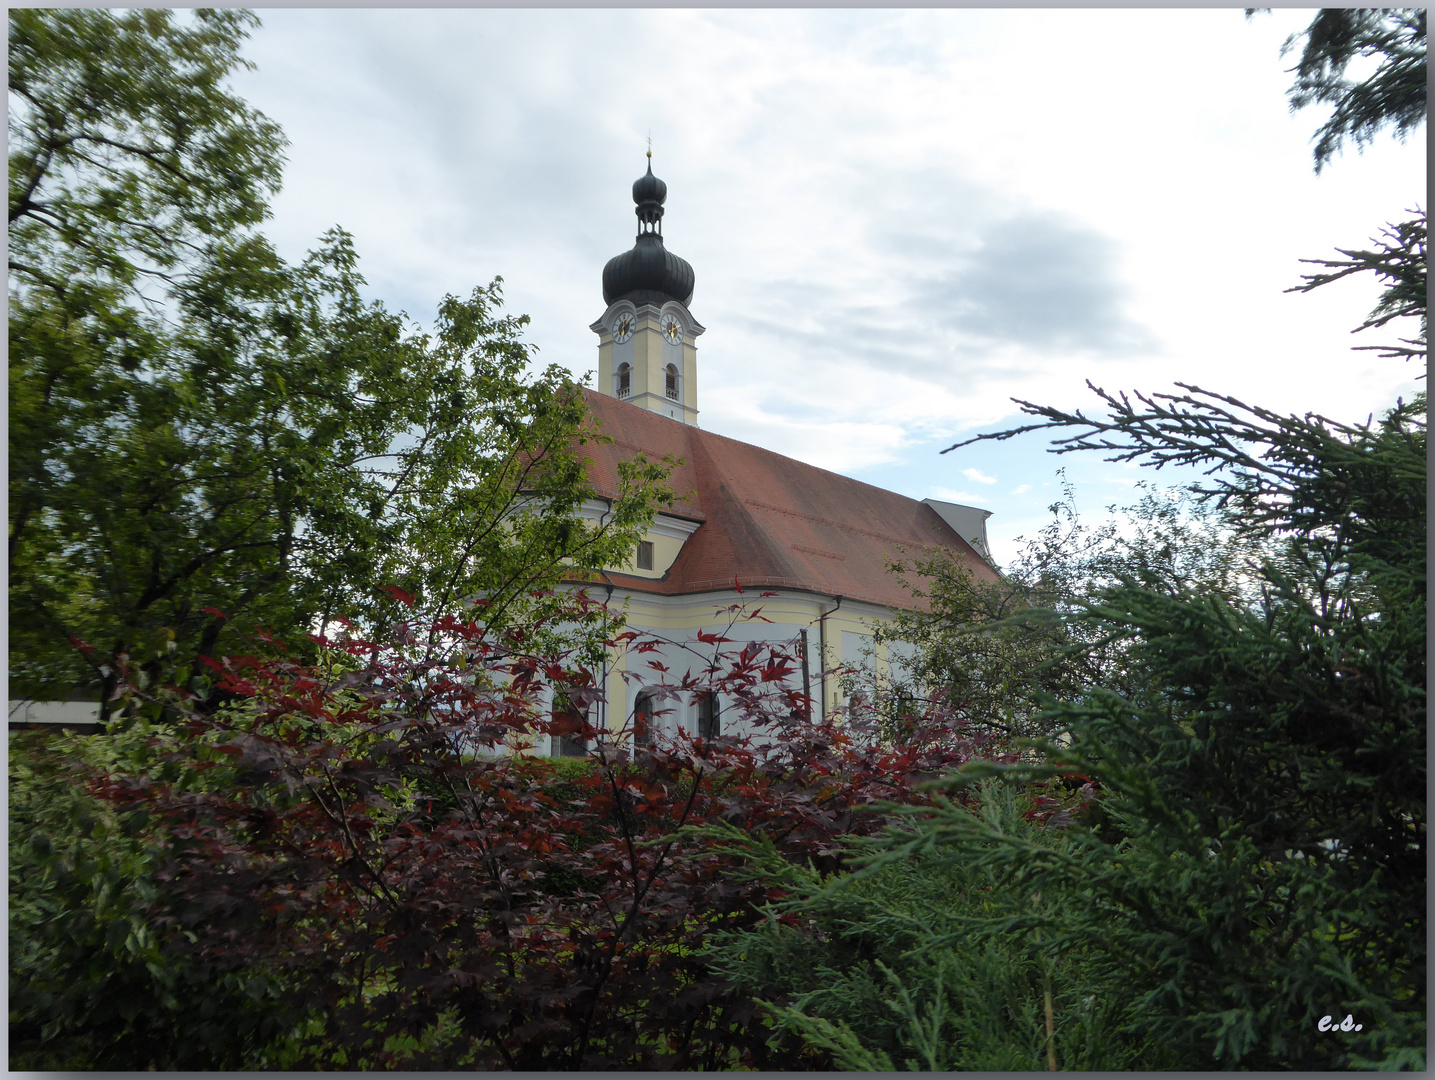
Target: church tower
647,339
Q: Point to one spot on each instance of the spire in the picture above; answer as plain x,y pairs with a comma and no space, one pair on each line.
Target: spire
649,193
648,273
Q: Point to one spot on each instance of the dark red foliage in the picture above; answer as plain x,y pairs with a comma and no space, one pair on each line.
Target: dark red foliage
432,900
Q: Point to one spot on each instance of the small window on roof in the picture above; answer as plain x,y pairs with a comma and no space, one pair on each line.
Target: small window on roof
645,554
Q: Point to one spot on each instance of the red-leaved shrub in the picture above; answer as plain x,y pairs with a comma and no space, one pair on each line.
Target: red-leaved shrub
357,833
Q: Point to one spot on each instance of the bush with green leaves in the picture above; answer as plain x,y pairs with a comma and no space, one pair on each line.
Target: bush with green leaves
94,983
986,649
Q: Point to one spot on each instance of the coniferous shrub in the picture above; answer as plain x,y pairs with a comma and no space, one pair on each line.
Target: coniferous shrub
928,962
1253,867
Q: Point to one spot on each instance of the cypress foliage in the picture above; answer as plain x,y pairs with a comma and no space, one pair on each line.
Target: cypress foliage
1252,858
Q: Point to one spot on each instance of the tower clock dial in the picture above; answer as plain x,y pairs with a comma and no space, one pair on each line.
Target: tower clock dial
672,329
623,328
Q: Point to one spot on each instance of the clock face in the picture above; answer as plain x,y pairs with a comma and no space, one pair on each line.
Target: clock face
623,328
672,329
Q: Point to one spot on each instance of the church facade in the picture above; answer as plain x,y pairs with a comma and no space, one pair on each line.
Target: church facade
819,541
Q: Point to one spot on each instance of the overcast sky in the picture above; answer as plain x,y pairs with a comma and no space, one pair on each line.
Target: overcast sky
899,220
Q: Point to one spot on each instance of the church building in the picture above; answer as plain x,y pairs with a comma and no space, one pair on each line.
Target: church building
819,541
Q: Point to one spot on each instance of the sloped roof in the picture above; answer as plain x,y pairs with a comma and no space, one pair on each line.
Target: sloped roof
767,520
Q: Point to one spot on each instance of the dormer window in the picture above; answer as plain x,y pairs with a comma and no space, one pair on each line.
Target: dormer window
625,381
670,381
645,554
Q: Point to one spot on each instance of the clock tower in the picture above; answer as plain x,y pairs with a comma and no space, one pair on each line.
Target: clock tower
647,339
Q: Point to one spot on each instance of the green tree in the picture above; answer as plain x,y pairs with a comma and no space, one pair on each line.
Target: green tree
989,649
1282,764
1393,96
127,154
205,440
1397,259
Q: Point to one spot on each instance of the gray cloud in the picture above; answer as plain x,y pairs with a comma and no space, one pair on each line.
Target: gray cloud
1042,282
944,279
823,328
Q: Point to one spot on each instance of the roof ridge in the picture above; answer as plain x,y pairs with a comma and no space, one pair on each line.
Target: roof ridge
829,521
693,430
805,464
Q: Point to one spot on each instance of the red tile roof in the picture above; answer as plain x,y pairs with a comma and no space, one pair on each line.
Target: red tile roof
767,520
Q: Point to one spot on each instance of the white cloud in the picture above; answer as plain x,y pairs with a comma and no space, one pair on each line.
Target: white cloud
1021,490
944,494
840,446
979,476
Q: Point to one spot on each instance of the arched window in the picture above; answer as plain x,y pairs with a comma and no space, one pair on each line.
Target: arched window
709,724
644,723
670,379
571,742
625,380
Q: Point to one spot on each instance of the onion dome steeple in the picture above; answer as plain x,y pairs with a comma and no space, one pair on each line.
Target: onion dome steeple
649,193
649,273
